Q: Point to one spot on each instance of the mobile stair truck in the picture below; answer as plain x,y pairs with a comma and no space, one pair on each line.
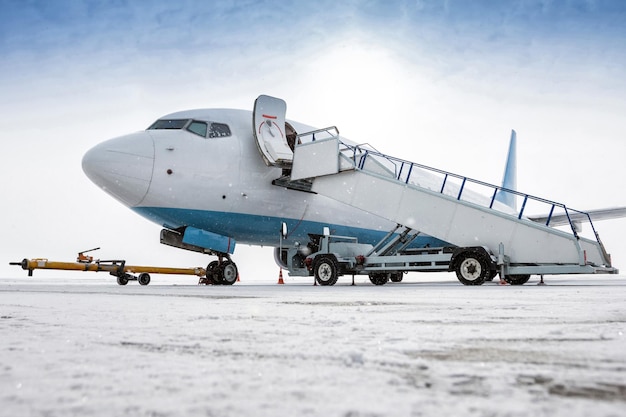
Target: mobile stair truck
486,237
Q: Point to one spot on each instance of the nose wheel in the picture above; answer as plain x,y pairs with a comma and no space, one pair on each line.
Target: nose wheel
220,272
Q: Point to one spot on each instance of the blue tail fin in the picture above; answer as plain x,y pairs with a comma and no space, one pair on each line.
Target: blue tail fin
510,175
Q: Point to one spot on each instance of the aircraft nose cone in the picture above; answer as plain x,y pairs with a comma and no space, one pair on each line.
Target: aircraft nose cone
122,166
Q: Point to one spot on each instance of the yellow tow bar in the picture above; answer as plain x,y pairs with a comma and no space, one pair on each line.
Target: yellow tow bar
116,268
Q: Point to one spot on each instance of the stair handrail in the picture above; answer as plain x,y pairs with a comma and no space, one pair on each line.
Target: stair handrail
364,154
313,132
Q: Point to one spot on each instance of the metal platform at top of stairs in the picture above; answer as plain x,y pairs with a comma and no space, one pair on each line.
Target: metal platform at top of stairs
456,209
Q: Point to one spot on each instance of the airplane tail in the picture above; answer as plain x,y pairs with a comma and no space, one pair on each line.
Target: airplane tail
509,181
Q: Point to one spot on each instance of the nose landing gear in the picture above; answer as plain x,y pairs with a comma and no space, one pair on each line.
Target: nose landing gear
220,272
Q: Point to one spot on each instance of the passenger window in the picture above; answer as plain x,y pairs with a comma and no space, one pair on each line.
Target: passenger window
219,130
199,128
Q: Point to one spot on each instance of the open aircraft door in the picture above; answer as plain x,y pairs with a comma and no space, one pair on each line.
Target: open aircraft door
268,119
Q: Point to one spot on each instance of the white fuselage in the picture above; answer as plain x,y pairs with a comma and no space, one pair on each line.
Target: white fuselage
178,178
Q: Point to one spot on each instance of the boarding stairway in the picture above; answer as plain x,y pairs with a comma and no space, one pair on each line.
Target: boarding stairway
456,209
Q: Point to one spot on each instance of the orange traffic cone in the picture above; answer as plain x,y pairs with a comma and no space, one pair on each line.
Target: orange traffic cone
280,277
238,280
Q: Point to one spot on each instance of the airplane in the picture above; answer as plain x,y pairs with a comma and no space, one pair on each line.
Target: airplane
213,178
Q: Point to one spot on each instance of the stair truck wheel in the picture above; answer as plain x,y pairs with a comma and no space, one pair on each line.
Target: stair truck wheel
517,279
472,267
492,275
396,276
144,279
379,278
228,273
325,270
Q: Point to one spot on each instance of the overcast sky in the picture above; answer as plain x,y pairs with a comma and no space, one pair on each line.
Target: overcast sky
441,83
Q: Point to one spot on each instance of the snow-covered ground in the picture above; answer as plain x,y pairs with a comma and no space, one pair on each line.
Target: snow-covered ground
430,346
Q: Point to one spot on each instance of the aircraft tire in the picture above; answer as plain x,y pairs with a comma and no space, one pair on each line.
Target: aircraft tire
122,279
228,273
517,279
379,278
213,273
144,279
325,270
472,268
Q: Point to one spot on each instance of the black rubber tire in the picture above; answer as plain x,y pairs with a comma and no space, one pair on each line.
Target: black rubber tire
517,279
325,270
213,273
396,276
472,268
228,273
143,279
379,278
122,279
492,274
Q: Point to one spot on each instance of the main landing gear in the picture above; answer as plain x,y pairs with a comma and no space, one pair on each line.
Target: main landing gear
220,272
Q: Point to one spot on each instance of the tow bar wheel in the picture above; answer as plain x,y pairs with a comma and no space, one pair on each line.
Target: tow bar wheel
472,269
325,270
144,278
122,279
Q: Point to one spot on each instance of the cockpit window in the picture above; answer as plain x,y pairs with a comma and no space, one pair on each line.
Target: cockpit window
219,130
204,129
169,124
199,128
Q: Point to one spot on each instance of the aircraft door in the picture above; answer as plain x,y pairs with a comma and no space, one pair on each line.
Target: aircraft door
270,131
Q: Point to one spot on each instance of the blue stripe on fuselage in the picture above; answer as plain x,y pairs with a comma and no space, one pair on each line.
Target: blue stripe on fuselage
252,229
